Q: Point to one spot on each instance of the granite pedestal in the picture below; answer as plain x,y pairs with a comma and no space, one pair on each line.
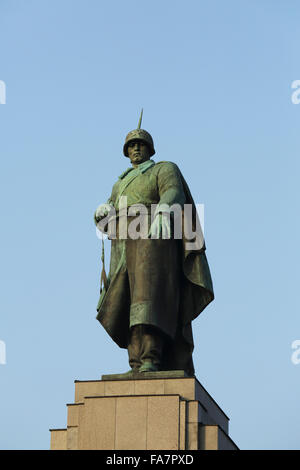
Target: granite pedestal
149,411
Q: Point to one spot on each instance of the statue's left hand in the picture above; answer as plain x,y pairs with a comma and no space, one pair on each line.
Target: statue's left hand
161,227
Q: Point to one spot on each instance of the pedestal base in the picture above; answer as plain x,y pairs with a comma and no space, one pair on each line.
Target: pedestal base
150,411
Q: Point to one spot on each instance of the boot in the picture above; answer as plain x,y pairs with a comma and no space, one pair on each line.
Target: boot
148,366
145,348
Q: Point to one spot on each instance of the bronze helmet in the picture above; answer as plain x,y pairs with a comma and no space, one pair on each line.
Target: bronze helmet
139,134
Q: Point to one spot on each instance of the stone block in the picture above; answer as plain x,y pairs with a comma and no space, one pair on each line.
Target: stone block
72,438
208,437
131,423
185,387
192,439
73,414
96,428
88,388
212,437
149,387
163,423
182,420
58,439
121,387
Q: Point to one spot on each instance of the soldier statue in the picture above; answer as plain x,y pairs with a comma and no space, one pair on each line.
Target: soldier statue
156,283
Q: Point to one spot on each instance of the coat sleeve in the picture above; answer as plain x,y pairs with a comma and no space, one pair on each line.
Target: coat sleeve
170,186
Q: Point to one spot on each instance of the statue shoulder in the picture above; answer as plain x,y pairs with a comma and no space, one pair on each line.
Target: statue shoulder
163,162
167,166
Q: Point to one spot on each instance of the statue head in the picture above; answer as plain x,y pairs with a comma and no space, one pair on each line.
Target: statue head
139,135
138,151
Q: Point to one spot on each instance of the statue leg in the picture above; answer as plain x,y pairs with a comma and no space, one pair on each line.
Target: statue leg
145,348
154,282
151,349
134,347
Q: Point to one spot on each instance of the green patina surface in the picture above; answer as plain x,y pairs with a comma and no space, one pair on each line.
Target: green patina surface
163,284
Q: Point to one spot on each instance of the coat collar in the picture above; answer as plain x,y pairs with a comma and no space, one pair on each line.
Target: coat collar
141,168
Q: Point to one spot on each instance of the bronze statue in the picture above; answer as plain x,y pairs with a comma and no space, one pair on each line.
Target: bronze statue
156,286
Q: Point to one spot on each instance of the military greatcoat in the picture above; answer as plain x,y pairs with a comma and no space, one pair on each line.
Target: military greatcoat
156,282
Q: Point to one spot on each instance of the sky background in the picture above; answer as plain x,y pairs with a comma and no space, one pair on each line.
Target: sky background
214,79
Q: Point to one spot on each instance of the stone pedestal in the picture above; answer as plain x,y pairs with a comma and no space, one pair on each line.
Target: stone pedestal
150,411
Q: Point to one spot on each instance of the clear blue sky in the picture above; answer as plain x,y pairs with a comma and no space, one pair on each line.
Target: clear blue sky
214,79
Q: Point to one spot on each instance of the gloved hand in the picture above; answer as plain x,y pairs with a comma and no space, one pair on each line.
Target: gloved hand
161,227
102,211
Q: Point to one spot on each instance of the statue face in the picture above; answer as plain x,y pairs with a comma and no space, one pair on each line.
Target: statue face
138,152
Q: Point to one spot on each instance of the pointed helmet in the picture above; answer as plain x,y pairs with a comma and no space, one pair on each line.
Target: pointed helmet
139,134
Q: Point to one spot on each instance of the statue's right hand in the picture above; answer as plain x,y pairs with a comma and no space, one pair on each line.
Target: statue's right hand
102,211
